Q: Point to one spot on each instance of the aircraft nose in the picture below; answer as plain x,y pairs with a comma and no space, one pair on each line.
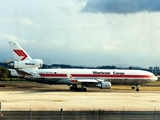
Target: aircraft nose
154,78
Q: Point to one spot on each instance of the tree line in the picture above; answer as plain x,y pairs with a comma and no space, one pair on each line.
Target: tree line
4,73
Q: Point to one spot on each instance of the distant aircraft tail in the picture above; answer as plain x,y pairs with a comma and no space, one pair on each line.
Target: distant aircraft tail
18,52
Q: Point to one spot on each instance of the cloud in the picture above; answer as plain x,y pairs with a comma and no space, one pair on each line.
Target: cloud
14,38
27,22
121,6
8,37
109,48
59,32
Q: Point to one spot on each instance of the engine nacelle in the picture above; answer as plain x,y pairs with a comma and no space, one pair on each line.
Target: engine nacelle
35,63
104,85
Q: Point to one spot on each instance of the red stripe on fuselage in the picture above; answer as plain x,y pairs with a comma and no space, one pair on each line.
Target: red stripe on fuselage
53,75
96,76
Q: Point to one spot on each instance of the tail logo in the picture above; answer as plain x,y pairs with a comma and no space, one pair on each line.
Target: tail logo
21,53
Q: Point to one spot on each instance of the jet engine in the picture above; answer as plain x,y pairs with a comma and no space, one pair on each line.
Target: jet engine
104,85
34,63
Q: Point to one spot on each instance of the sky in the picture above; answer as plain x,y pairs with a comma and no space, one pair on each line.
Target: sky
83,32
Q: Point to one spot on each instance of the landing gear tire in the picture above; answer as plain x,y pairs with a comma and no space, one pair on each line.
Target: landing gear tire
137,88
84,89
79,89
75,88
71,88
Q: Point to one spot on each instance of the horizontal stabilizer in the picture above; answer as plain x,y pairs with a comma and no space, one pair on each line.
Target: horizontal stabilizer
24,73
20,73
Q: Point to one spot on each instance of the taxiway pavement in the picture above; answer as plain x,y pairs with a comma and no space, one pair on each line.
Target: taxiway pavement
28,96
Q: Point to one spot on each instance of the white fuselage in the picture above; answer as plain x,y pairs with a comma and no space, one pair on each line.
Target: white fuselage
116,76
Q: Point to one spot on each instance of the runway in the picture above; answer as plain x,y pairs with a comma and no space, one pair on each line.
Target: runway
26,96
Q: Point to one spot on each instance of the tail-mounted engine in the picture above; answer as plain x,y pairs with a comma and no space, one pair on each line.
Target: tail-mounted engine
104,85
34,63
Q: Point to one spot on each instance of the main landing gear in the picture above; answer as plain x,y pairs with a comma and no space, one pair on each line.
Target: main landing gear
74,87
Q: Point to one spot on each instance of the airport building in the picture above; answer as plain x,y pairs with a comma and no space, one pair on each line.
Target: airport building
155,70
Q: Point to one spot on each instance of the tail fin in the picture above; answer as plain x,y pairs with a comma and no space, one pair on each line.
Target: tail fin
18,52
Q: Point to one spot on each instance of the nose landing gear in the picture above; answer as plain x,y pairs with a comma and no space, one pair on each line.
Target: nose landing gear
136,87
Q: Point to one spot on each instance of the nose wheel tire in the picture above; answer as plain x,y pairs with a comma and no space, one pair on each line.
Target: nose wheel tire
137,88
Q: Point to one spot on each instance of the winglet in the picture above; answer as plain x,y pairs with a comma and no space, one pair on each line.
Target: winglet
18,52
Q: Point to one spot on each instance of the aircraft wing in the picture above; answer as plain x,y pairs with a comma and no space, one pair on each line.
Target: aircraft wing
87,80
73,80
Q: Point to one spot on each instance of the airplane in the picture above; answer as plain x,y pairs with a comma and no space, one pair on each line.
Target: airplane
78,79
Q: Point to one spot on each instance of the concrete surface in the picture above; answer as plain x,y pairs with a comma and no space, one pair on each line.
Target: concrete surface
26,96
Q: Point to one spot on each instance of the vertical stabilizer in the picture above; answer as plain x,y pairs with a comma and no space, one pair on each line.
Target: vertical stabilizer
18,52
